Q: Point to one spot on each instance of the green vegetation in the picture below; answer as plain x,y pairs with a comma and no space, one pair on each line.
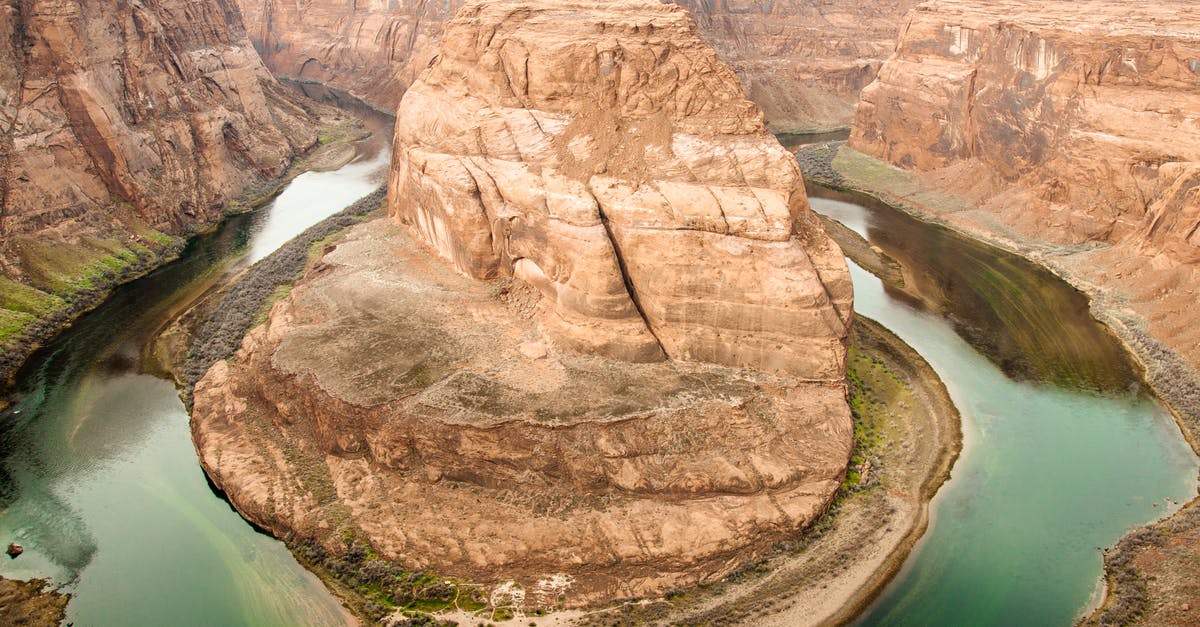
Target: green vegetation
382,587
874,393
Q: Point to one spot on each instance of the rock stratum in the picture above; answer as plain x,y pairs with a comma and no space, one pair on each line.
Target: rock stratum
804,63
1070,131
1067,123
122,124
597,351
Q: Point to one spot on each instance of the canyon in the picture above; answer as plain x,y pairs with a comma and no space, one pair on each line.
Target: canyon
803,63
123,126
1069,132
1072,126
528,376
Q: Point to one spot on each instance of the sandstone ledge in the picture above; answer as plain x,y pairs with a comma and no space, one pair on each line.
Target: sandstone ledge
390,396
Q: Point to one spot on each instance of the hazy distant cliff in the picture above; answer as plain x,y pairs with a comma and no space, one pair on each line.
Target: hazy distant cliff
802,62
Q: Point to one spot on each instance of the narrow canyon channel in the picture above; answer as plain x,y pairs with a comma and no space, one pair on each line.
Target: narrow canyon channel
101,481
1063,451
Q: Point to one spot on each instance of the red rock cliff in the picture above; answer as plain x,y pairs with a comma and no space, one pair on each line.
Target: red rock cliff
120,123
1067,122
803,62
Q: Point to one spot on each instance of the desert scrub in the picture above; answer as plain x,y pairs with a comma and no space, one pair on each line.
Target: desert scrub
221,332
380,587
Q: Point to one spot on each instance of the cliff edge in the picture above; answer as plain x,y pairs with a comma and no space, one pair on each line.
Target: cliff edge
597,352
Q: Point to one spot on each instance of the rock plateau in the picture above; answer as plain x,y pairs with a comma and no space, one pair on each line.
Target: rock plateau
802,62
122,124
597,352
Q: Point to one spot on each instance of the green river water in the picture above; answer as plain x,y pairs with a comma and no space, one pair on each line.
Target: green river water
1063,452
100,480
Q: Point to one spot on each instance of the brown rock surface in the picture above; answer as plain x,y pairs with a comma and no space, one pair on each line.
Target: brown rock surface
595,151
1069,131
802,62
161,107
388,396
1068,123
120,124
604,155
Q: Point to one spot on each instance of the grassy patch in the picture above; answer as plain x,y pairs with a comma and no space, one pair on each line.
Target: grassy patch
384,587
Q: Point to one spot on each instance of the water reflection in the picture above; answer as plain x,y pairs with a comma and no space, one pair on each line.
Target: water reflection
99,479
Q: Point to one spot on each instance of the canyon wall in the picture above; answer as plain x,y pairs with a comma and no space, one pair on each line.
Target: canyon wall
1068,123
803,62
596,351
123,124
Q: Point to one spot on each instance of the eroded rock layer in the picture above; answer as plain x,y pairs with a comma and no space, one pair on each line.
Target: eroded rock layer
121,124
803,62
485,390
163,108
604,155
1069,123
392,400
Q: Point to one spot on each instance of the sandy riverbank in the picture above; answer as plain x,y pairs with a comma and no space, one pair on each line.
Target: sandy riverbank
1143,571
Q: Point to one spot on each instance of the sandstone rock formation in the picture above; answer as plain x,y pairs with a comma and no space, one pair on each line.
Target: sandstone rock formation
1068,122
802,62
120,123
613,162
601,196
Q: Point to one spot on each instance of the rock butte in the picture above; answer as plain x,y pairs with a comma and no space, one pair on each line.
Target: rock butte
1068,123
803,62
121,122
529,429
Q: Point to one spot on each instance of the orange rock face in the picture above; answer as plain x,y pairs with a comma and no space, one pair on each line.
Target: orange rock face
803,62
613,162
158,112
122,124
602,356
1070,123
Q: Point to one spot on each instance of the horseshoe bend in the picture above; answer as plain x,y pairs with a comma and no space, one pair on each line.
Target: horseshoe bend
597,348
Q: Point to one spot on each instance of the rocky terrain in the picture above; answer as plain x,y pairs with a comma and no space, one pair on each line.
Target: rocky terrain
802,62
122,125
31,603
555,371
1070,124
1067,131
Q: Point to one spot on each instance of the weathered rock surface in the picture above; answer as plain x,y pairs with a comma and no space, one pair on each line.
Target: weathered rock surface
1069,123
388,399
162,107
602,196
1072,132
802,62
605,156
119,124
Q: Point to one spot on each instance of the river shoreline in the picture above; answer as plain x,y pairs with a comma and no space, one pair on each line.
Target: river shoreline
1168,375
830,570
333,149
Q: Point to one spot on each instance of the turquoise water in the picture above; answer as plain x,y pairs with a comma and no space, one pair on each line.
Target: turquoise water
100,481
1050,473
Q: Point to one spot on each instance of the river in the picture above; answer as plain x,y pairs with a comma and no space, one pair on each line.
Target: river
100,480
1063,451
